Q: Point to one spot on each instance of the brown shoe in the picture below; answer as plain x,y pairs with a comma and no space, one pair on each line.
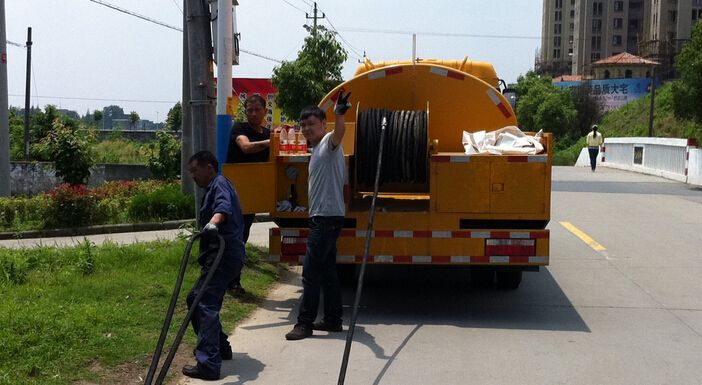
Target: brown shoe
299,332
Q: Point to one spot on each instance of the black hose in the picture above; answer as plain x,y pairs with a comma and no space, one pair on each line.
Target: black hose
171,309
359,287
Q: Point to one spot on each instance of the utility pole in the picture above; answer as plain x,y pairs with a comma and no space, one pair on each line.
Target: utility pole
26,94
200,68
4,118
187,185
315,17
653,97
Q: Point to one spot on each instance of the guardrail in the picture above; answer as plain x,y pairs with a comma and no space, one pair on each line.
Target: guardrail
665,157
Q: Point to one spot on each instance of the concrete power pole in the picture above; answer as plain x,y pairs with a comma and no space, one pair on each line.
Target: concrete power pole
4,118
186,149
27,91
202,99
225,48
315,17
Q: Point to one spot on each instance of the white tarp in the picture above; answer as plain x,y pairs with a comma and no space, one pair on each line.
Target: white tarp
508,140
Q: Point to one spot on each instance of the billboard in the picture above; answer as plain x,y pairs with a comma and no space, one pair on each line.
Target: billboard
245,87
613,93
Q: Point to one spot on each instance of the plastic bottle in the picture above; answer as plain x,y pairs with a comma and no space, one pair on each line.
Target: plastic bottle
292,145
301,143
283,136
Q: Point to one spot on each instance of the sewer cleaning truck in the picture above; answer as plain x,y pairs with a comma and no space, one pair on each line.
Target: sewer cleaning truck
437,204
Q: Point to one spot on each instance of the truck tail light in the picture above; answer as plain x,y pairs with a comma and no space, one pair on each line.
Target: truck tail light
294,245
510,247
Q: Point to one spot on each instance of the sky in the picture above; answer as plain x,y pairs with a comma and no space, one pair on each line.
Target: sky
86,56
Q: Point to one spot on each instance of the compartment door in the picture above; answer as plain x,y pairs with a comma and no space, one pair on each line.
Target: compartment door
461,187
518,188
255,183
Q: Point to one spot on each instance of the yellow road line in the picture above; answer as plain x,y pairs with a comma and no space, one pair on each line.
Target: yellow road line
584,237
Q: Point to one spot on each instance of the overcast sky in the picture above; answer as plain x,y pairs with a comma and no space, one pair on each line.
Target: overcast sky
84,50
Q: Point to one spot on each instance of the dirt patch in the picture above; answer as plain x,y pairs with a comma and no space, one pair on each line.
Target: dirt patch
134,372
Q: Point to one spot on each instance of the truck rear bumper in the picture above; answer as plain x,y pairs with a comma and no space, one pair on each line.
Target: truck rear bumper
462,247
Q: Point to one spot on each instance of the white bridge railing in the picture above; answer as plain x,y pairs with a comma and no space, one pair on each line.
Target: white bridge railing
676,159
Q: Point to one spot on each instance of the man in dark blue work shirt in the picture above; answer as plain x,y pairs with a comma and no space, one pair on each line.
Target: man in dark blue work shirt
221,213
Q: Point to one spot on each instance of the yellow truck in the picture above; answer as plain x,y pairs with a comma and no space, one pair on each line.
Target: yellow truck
436,205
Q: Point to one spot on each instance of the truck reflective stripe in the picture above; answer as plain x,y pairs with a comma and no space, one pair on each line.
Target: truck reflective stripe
498,102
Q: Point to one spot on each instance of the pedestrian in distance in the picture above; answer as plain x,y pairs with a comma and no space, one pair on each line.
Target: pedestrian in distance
327,176
594,141
220,213
250,142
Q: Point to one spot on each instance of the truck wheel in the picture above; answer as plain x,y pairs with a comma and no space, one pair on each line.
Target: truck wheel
481,276
508,279
346,273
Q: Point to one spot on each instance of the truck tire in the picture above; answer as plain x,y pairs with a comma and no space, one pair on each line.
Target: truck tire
482,277
346,273
508,279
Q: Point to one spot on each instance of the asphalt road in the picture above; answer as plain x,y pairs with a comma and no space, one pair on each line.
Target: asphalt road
620,303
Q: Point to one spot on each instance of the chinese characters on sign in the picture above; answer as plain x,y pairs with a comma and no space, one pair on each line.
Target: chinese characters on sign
612,93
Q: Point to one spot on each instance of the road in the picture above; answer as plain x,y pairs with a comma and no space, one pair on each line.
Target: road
620,303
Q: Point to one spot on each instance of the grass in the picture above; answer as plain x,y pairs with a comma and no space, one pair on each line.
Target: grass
120,150
633,120
76,314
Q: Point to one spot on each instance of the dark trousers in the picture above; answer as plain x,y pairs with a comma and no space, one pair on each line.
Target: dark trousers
248,221
205,321
319,272
593,156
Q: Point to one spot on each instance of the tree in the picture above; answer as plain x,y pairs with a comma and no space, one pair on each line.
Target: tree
174,120
687,92
315,72
589,110
542,106
133,119
164,156
97,117
69,146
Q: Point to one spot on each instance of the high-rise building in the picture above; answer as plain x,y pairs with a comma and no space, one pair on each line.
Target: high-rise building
576,33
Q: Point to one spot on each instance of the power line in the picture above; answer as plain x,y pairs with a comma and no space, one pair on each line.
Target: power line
344,40
128,12
178,6
172,27
294,6
16,44
98,99
401,32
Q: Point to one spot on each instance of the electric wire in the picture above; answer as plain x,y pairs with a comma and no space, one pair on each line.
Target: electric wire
294,6
358,54
429,33
16,44
178,6
128,12
98,99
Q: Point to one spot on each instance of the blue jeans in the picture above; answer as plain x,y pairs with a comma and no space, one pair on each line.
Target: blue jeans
319,272
205,321
593,156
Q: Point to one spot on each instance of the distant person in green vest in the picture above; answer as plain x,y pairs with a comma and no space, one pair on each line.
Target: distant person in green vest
250,142
594,142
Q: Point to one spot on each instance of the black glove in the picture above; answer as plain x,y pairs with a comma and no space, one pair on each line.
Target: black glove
342,103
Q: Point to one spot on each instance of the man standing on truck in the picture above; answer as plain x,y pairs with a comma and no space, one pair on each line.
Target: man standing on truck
327,176
221,213
250,142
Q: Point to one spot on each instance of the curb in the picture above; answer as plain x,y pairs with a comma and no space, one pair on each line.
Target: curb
108,229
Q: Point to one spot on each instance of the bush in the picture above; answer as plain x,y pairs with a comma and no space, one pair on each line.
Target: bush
120,151
164,158
70,206
22,213
167,202
69,148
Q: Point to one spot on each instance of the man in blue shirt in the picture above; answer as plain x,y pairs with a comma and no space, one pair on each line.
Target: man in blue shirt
220,211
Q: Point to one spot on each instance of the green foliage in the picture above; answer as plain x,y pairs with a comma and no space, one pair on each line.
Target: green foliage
22,213
315,72
167,202
16,135
97,117
174,120
133,119
541,106
86,257
687,92
68,145
63,327
122,151
164,157
70,206
589,111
